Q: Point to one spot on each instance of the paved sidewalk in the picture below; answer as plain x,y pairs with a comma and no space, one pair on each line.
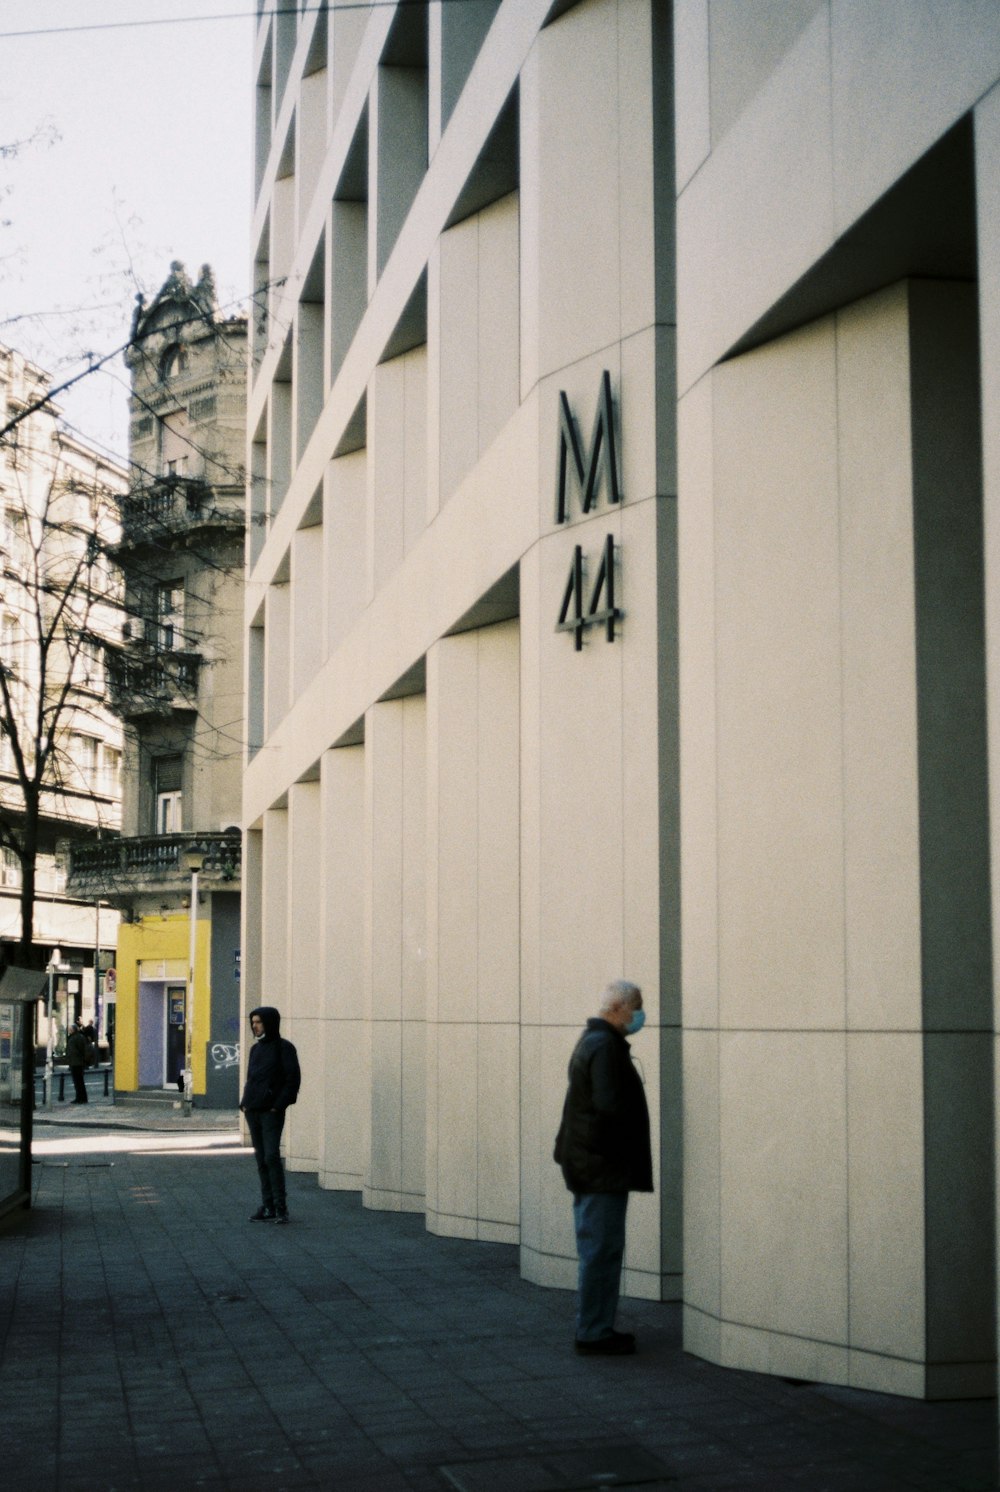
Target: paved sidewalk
159,1115
152,1338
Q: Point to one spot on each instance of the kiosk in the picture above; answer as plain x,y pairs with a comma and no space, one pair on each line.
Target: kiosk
20,989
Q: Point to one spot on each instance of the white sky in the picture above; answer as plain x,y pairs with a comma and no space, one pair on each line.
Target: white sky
151,163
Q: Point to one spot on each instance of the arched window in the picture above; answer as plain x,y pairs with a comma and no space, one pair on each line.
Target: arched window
173,362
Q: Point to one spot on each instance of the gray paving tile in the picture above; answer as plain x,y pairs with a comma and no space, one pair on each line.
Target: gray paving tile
356,1351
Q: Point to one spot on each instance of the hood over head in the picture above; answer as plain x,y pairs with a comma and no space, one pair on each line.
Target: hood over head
269,1016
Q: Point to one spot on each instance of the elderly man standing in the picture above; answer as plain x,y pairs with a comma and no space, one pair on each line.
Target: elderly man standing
604,1151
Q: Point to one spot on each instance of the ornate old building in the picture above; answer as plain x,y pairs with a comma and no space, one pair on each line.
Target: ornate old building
176,680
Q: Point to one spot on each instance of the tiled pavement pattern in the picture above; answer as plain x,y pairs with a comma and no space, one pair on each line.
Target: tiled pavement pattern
153,1338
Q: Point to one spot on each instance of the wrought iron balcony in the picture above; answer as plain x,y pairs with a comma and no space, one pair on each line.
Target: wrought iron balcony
151,685
118,870
176,509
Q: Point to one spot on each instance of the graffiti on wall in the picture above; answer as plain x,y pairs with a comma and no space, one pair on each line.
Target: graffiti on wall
225,1055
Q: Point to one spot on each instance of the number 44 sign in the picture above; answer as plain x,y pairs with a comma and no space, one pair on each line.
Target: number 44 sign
600,609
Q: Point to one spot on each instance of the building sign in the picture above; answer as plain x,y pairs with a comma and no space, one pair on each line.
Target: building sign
584,606
600,608
177,1007
602,458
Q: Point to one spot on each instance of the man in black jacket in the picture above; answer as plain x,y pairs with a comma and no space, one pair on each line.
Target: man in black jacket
76,1057
272,1084
604,1150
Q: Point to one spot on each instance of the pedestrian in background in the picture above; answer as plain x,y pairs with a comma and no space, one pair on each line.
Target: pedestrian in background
76,1056
272,1085
603,1148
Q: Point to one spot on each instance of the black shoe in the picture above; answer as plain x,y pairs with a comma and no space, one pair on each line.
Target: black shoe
618,1344
262,1215
281,1214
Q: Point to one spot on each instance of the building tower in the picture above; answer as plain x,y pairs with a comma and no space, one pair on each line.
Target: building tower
625,443
462,737
176,681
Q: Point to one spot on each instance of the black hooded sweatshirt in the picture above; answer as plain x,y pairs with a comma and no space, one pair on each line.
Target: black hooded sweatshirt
273,1075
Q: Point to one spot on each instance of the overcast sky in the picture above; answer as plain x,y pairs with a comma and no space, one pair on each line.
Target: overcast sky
142,156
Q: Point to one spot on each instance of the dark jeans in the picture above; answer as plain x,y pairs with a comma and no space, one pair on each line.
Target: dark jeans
76,1073
599,1218
265,1128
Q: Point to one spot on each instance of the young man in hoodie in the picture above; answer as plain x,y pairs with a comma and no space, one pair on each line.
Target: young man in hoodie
272,1084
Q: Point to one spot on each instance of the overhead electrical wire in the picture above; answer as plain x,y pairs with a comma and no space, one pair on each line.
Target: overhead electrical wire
230,15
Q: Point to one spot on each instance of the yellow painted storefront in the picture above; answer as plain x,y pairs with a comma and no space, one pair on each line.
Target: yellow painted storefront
160,943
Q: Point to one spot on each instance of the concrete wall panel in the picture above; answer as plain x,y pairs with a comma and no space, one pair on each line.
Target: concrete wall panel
341,972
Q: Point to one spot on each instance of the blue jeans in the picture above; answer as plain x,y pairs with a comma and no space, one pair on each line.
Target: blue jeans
599,1218
265,1128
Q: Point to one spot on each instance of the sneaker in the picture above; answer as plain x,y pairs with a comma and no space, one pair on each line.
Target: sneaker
281,1214
618,1344
262,1215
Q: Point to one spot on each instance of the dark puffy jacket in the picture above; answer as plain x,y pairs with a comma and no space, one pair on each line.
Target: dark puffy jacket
603,1140
76,1050
273,1075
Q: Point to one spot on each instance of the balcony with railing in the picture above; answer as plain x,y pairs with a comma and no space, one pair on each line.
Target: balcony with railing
145,685
118,870
168,510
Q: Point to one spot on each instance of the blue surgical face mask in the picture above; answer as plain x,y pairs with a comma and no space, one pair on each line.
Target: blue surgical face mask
636,1024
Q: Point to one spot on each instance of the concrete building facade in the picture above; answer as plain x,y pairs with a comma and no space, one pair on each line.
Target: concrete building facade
176,679
620,447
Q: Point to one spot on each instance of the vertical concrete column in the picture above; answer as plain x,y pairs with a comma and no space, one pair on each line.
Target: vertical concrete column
473,981
838,1099
987,138
251,887
310,138
251,918
308,351
340,971
345,509
398,132
397,462
302,1005
274,907
347,267
599,767
306,639
395,964
277,641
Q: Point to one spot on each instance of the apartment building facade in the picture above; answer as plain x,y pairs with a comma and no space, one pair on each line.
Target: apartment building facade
620,456
175,679
59,600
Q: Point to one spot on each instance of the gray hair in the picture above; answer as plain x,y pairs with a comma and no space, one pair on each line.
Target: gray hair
619,992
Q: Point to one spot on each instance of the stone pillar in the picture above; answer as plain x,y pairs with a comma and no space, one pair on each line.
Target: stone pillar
301,1000
396,954
340,971
836,958
473,1152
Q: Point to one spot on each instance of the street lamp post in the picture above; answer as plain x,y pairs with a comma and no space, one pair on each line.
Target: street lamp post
51,969
193,861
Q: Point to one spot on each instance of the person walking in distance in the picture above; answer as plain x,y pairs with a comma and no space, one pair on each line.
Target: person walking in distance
603,1149
76,1057
272,1085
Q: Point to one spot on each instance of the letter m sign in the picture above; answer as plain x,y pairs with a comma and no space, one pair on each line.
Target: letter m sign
602,458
